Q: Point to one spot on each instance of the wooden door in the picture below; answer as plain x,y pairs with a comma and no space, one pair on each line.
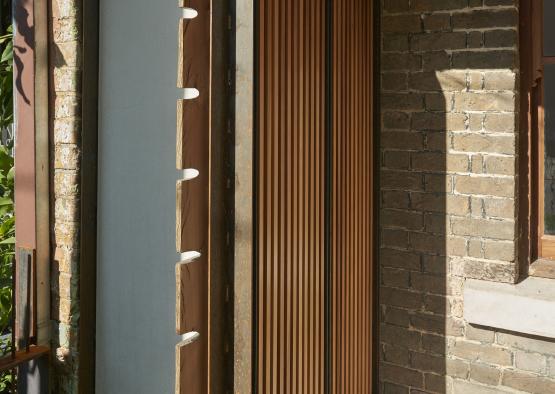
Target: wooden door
314,197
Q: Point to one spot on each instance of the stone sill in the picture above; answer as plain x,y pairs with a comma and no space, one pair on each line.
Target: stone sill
543,268
527,307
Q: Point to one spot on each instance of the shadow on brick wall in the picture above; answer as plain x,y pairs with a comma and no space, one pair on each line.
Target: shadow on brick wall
448,182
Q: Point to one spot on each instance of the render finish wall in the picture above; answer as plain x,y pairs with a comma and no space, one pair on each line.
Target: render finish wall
449,144
135,331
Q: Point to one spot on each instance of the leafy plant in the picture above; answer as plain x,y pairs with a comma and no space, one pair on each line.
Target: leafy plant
7,236
7,219
6,79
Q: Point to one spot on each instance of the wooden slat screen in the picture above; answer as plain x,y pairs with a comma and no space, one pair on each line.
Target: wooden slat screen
291,196
351,239
193,198
307,117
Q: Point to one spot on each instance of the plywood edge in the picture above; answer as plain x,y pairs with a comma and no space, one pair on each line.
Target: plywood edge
179,364
178,298
181,54
177,369
180,134
186,381
178,214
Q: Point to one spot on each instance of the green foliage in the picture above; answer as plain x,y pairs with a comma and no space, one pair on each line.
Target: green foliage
6,79
7,382
7,250
7,219
7,235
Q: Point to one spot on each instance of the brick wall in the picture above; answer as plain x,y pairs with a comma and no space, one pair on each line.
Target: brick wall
65,111
448,197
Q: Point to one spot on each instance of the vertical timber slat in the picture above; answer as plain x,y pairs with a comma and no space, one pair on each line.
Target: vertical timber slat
290,121
352,231
193,197
295,73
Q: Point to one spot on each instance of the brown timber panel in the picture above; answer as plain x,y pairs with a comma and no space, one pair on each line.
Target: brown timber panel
290,190
189,379
193,200
191,309
192,224
193,71
351,238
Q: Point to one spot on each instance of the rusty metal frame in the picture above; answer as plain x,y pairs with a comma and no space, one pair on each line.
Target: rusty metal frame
32,202
42,163
32,190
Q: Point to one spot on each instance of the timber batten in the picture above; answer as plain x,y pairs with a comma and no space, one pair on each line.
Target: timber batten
352,198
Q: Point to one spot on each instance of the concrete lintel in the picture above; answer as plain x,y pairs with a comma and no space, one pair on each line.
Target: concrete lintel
527,307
